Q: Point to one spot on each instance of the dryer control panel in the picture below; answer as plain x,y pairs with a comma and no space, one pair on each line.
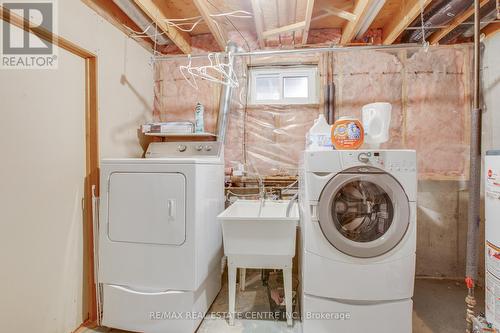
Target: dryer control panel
183,149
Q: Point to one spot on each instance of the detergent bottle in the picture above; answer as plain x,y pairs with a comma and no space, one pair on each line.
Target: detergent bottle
319,135
347,133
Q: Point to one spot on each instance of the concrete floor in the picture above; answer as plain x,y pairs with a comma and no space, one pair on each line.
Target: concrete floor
438,308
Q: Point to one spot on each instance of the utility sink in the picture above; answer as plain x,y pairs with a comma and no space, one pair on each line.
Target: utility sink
255,228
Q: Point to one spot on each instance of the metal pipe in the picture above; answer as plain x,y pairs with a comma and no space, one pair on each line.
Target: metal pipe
299,51
475,179
326,101
225,97
331,103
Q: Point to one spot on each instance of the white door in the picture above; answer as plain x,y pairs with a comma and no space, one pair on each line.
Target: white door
364,214
147,208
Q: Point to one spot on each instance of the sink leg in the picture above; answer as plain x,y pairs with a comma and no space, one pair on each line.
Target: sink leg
243,273
287,279
232,291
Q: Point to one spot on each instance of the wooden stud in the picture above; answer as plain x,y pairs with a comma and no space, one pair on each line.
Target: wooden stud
409,12
258,17
440,34
180,38
491,29
91,141
114,15
308,18
360,10
286,28
217,29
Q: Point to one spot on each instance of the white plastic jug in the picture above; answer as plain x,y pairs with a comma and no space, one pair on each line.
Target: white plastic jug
319,136
376,118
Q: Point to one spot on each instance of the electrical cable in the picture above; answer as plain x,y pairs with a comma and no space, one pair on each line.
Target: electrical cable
232,24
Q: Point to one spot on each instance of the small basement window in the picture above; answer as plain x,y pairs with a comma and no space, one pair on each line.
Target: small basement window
283,85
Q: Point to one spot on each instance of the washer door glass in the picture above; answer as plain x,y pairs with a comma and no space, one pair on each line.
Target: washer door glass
362,211
364,215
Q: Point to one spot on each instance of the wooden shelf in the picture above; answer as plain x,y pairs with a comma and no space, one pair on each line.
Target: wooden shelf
166,135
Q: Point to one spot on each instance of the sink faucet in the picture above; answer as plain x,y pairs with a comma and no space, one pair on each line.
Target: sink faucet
262,190
290,204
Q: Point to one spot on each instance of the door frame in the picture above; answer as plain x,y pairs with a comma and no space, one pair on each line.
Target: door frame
91,182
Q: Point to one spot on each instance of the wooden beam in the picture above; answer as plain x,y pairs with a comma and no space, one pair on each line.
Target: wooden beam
258,17
410,9
180,38
215,28
308,18
491,29
440,34
335,12
283,29
114,15
351,28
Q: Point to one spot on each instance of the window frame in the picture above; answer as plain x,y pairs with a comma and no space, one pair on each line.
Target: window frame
282,72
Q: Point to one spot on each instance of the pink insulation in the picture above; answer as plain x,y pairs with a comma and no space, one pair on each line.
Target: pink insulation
429,93
437,111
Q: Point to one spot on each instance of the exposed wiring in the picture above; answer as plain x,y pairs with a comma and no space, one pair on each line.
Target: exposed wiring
232,24
198,19
425,44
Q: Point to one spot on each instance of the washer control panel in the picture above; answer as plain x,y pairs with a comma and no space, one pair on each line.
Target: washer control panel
403,161
183,149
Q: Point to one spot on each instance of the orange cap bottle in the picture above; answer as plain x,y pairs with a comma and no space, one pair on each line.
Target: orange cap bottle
347,133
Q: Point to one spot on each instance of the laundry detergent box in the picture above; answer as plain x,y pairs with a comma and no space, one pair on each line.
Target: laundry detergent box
347,133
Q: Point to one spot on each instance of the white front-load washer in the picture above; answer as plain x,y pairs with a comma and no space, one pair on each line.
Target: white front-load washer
359,238
160,245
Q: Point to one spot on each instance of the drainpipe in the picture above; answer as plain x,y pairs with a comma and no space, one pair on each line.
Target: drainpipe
475,181
225,98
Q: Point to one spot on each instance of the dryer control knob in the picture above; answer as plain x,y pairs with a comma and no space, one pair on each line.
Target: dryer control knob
181,148
363,158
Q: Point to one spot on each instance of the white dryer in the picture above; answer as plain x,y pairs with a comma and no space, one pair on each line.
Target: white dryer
160,245
359,239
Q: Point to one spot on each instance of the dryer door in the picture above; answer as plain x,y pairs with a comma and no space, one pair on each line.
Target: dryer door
364,215
147,208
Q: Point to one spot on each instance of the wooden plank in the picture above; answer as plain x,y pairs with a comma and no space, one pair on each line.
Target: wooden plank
440,34
217,29
286,28
258,18
360,10
114,15
92,177
409,11
308,18
342,14
180,38
491,29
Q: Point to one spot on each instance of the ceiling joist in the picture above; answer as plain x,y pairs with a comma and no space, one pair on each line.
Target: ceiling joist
351,28
491,29
179,38
217,29
440,34
286,28
308,18
409,12
258,18
333,11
